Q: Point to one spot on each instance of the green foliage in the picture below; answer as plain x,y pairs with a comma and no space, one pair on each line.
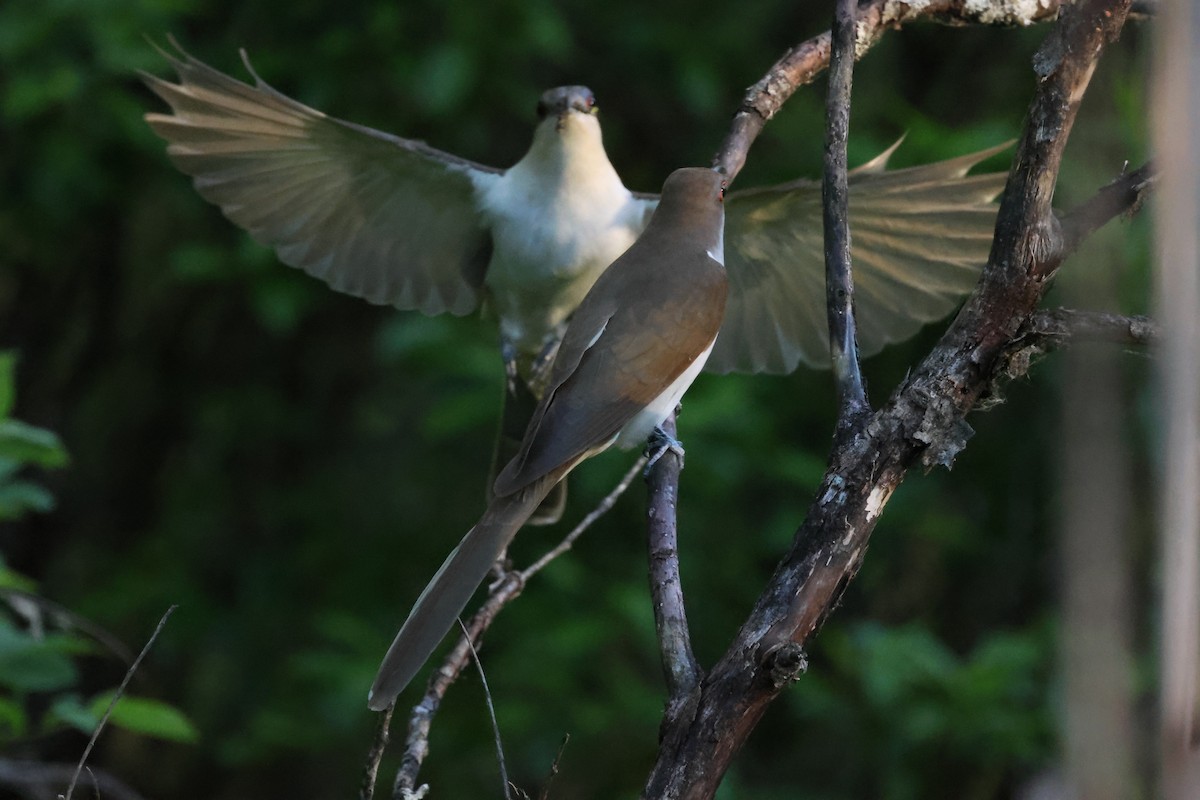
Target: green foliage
35,663
145,716
22,445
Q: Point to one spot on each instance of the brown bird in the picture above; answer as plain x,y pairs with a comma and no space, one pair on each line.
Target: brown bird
397,222
634,345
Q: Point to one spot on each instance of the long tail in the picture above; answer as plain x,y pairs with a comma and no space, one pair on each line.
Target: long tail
457,579
517,408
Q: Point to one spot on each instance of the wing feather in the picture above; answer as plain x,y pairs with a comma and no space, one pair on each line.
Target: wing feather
383,218
919,235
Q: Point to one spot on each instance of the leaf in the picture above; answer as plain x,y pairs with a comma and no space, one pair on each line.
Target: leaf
8,381
11,579
147,717
70,711
13,722
20,497
26,443
36,665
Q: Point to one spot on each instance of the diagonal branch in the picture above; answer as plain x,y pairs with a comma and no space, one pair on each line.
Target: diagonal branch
503,592
1124,195
923,422
803,63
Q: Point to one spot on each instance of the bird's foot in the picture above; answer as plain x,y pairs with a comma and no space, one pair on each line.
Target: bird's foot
660,443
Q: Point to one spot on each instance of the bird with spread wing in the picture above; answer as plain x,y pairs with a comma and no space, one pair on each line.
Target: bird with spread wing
399,223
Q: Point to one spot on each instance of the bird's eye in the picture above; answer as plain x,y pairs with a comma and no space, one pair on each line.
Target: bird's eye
722,196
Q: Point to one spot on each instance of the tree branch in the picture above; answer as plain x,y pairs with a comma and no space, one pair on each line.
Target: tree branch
803,63
835,201
923,422
1047,331
41,780
503,592
1124,195
680,668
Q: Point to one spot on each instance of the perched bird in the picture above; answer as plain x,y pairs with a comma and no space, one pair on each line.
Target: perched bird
397,222
635,343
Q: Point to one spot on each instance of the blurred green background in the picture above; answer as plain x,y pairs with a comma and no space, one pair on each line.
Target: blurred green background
290,465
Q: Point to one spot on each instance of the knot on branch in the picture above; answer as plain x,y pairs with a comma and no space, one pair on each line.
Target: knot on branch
942,432
1047,247
785,663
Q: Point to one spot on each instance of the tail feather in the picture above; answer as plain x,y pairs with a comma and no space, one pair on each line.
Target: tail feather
457,579
517,408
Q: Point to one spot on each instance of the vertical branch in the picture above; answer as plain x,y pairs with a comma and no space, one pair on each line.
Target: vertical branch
839,282
1176,109
670,618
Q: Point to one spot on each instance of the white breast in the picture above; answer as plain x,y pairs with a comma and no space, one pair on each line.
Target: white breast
636,431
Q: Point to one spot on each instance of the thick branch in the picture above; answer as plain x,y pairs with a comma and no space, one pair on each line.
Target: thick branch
803,63
922,422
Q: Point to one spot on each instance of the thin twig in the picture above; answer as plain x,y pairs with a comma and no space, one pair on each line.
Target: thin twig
35,779
554,766
835,201
116,698
680,668
503,592
487,697
1124,195
600,510
375,755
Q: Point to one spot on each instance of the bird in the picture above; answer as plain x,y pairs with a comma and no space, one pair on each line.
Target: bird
637,340
397,222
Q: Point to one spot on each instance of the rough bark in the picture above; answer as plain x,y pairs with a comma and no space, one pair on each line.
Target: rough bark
923,422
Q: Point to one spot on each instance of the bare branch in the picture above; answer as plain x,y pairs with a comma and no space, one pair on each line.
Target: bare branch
1124,195
117,695
680,667
803,63
487,696
38,779
923,422
1047,331
503,592
375,755
835,200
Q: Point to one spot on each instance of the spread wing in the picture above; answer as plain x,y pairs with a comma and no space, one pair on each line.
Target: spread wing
919,238
386,219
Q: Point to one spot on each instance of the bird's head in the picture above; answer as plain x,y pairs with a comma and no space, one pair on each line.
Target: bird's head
692,205
567,106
